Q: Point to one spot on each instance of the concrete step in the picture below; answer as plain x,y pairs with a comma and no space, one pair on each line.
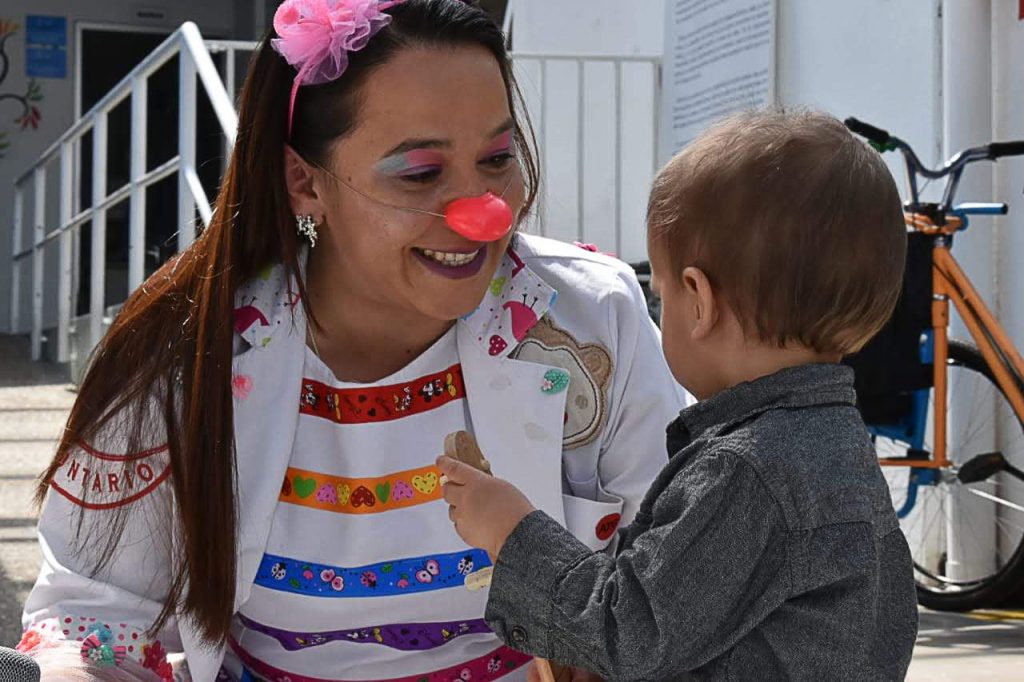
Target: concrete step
45,397
17,368
23,426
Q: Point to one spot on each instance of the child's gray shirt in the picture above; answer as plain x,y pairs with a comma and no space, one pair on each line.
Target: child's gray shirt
766,549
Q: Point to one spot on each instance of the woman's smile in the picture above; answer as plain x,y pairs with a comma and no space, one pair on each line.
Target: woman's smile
453,263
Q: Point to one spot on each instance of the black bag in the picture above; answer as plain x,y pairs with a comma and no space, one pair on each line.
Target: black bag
889,368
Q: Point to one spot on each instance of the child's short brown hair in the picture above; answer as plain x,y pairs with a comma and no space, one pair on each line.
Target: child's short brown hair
794,221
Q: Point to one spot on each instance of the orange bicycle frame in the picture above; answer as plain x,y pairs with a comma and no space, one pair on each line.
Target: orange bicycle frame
950,283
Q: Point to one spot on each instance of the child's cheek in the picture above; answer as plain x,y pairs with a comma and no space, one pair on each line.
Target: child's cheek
680,356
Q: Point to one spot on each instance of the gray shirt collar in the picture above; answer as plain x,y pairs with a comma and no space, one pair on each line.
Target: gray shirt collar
794,387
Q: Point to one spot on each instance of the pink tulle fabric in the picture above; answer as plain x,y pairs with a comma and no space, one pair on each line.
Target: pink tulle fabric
315,37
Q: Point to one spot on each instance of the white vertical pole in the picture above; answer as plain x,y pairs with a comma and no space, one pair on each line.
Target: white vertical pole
98,269
971,542
38,233
67,195
656,86
229,85
78,166
19,204
229,73
581,91
1008,236
186,147
542,118
618,158
137,203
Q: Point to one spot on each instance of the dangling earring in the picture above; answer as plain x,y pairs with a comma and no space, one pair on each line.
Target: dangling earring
307,228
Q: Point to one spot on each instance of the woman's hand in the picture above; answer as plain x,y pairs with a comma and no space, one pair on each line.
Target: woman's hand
484,509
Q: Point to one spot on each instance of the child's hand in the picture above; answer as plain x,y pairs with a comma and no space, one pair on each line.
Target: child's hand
484,509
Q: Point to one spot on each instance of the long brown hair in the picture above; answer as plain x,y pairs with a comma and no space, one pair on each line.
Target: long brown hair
168,356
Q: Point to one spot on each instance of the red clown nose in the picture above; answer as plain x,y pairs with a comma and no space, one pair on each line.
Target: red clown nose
486,218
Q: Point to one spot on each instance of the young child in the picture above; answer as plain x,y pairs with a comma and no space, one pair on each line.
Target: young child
767,547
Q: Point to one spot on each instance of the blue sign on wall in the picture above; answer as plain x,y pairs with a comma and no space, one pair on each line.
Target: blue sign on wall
46,47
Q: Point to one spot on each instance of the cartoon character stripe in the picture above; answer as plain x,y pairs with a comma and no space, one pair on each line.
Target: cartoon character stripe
361,495
490,666
402,636
382,403
401,576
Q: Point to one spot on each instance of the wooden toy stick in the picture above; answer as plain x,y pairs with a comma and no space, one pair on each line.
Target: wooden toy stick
462,446
551,671
544,668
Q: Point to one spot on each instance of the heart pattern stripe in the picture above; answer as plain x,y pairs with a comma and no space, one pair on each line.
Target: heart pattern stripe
361,495
425,484
303,487
402,491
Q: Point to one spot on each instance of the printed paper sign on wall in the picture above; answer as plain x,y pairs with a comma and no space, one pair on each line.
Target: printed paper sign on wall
46,47
719,58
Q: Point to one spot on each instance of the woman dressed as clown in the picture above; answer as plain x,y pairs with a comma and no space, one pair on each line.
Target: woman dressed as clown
246,488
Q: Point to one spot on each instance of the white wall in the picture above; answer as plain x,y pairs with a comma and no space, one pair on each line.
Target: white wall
1008,182
967,109
1008,124
214,17
877,60
574,26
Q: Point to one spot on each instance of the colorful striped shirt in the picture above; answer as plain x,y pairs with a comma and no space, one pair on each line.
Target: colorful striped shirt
364,577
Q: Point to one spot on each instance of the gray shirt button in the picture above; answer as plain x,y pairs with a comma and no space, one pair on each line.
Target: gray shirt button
519,636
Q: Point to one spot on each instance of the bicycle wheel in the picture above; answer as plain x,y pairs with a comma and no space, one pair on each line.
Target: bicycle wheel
965,524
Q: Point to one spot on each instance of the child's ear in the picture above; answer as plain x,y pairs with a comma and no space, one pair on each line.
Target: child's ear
701,298
299,180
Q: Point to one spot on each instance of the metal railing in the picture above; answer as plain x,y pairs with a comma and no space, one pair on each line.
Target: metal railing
194,60
581,61
230,50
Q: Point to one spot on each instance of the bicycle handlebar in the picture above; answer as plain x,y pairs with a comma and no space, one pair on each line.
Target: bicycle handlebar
867,130
953,168
998,149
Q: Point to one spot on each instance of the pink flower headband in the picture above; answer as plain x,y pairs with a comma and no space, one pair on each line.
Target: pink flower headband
315,37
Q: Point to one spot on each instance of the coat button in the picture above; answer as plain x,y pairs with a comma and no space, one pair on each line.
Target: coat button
519,636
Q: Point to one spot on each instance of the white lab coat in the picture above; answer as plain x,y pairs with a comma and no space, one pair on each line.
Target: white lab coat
584,454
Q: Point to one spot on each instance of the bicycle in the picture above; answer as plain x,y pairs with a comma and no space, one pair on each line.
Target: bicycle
960,504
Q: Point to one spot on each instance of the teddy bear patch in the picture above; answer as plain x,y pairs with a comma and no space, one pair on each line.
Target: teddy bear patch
589,366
